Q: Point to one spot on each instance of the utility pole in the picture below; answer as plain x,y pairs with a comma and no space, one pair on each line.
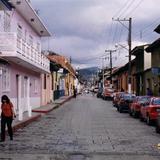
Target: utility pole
102,71
129,28
130,46
110,55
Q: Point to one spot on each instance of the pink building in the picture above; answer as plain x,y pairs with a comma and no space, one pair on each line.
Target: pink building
21,61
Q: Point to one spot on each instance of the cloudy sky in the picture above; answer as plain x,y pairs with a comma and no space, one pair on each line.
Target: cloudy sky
84,29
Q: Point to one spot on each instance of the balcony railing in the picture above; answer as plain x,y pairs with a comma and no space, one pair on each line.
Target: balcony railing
11,45
32,54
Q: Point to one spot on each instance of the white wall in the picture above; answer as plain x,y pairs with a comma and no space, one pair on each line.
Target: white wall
147,59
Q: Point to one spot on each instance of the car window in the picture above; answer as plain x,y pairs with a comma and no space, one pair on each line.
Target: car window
156,101
129,96
144,100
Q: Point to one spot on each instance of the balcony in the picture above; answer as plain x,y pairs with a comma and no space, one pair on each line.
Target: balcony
19,51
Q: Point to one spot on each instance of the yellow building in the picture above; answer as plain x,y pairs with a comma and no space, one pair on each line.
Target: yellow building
63,75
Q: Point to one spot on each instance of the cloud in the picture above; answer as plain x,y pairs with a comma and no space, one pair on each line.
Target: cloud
84,28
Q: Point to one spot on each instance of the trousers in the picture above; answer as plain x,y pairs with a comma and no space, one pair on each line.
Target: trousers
8,121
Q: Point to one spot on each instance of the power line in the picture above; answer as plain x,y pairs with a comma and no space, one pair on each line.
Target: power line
119,11
128,6
134,9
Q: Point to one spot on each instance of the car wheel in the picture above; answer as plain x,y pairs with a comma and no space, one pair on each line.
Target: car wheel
120,110
148,120
134,114
157,129
130,112
141,118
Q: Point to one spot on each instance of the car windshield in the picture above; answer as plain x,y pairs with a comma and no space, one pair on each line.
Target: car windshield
156,101
143,99
129,96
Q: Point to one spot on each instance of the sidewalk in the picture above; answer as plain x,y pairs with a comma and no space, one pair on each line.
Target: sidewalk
38,112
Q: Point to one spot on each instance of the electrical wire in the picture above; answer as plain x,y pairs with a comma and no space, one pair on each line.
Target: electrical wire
128,6
134,9
121,9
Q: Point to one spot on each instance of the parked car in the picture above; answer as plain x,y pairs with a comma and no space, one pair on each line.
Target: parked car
107,93
158,124
149,111
135,107
116,97
125,101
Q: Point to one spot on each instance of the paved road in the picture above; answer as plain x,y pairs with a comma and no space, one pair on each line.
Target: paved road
85,128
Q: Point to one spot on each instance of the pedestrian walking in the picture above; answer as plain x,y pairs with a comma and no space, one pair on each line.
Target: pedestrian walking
74,92
149,92
7,115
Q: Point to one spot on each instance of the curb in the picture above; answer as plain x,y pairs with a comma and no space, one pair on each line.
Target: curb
24,123
46,111
55,107
66,100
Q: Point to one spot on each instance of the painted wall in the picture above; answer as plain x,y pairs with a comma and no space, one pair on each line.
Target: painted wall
156,58
34,86
47,90
147,60
16,20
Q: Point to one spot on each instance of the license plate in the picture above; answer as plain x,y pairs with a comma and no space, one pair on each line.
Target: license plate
158,110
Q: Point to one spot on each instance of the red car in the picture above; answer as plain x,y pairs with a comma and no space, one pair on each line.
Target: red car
107,93
135,107
149,111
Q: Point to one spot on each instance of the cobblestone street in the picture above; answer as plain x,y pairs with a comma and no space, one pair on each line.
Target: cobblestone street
85,128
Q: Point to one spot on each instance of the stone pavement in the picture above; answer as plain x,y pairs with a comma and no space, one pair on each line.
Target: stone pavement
85,128
37,113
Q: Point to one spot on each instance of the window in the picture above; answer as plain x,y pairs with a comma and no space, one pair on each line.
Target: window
7,22
19,31
19,36
5,79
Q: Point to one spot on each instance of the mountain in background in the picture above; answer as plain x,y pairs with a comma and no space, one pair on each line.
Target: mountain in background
88,73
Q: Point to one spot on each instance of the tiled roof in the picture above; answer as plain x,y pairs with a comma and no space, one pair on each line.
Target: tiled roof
62,61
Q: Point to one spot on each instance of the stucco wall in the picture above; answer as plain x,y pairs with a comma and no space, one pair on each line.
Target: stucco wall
13,92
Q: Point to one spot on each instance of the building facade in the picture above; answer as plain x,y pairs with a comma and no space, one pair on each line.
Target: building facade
21,60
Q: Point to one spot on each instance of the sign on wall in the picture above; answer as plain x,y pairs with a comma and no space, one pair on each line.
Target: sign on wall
7,42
